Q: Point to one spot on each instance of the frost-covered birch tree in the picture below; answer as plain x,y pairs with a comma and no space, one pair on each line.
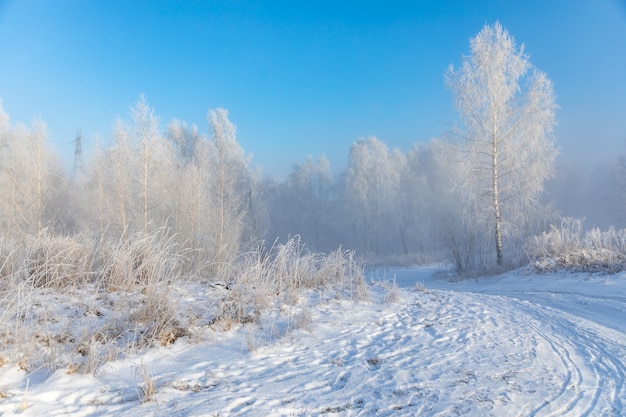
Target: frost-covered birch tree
229,186
507,151
190,206
135,178
29,178
143,132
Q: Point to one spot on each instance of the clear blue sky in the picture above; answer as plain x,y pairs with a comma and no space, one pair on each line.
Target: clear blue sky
301,78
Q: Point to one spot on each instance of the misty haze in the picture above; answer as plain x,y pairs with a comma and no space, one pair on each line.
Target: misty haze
450,240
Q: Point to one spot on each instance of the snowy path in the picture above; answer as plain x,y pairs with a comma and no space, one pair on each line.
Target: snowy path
439,352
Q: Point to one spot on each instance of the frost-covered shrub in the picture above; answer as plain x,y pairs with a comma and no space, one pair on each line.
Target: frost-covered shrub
143,259
59,261
259,278
566,247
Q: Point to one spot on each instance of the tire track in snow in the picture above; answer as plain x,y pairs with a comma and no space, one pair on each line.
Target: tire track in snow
591,357
431,357
595,371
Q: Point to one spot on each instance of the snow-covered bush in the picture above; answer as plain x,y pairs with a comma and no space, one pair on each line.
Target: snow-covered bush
566,247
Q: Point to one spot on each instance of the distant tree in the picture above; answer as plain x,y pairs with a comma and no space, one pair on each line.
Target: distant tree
134,180
122,166
372,184
144,131
617,196
310,188
229,187
30,178
144,167
277,219
507,152
4,118
414,198
184,140
191,207
97,184
199,187
458,228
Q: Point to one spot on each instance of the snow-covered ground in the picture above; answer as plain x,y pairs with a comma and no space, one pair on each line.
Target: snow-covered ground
512,345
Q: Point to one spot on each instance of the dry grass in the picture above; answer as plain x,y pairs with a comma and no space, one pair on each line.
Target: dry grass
58,261
419,287
142,260
392,295
74,303
144,384
303,319
250,343
65,301
262,278
24,404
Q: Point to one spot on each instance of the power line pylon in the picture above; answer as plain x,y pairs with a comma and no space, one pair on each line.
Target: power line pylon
78,155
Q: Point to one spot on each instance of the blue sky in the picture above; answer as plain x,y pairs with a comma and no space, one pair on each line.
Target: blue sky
301,78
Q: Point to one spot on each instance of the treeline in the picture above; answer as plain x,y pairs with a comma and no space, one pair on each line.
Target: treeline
380,205
387,204
198,188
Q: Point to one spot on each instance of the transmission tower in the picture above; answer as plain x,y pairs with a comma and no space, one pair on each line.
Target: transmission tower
78,155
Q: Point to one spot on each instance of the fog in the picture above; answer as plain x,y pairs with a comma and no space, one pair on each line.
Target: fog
587,191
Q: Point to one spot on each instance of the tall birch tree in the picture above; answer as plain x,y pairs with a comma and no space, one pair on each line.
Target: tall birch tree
507,151
29,178
144,132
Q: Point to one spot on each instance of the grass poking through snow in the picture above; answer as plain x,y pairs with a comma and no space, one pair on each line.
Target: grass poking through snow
78,303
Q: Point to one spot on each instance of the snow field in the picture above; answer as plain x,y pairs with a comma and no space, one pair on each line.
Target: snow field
452,349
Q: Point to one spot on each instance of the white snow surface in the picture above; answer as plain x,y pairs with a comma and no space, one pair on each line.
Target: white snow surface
516,344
